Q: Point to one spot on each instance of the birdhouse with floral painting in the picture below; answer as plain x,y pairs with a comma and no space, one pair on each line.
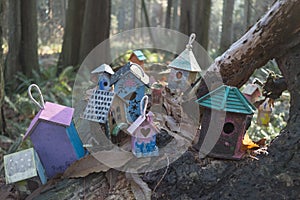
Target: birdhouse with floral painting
137,57
130,83
143,133
103,73
54,136
184,69
23,165
230,103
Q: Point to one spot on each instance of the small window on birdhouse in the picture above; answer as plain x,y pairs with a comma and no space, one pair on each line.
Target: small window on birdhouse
179,75
228,128
118,109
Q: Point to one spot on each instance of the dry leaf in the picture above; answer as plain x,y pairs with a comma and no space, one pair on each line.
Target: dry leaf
139,188
85,166
114,158
248,142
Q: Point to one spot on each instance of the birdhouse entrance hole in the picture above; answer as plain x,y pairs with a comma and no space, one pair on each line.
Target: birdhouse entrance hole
179,75
228,128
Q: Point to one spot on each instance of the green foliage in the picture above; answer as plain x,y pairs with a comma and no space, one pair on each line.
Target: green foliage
55,88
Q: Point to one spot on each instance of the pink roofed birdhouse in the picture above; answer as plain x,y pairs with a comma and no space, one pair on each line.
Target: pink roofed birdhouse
54,136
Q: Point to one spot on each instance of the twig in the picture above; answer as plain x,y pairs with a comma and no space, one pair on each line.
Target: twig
165,173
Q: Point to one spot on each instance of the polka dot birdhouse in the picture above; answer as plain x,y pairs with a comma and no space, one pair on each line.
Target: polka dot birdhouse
23,165
54,136
231,102
184,69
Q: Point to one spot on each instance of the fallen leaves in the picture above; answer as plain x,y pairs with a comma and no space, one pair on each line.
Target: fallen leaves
253,149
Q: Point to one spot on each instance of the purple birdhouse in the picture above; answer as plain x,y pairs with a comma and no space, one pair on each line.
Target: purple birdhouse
143,132
54,136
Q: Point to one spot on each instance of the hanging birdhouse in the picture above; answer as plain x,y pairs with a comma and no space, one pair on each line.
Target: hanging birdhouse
23,165
237,107
143,132
184,69
104,73
54,136
130,83
251,92
137,57
264,112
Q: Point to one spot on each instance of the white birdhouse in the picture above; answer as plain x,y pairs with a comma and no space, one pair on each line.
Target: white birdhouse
184,69
104,72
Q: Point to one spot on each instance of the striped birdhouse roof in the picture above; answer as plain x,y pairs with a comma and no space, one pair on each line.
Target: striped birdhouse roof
186,61
52,112
227,98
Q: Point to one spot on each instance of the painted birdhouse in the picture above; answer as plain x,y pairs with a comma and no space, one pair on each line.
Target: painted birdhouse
143,132
264,113
237,107
251,92
54,136
104,73
130,83
184,69
23,165
98,106
137,57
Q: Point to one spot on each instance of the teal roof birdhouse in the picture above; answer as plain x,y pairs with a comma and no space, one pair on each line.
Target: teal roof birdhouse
231,101
184,69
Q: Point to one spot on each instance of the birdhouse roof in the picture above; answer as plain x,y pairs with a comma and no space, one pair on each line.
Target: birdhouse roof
228,99
139,54
186,61
250,89
133,68
52,112
103,68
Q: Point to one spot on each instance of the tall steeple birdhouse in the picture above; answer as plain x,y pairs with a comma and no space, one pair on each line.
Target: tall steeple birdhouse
184,69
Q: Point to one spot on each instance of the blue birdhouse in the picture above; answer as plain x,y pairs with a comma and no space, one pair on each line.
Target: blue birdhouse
104,73
130,83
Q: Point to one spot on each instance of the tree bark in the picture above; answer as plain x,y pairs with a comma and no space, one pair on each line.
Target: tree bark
186,21
202,17
2,82
72,35
168,14
29,37
96,25
226,34
13,62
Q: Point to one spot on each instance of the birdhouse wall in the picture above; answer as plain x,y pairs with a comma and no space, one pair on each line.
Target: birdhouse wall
179,79
134,110
230,140
54,147
75,141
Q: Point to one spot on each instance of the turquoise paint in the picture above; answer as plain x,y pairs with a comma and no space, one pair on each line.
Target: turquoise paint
75,141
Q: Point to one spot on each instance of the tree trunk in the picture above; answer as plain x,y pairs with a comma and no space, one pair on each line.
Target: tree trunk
186,21
12,63
202,16
168,14
226,34
96,25
72,35
247,13
175,17
29,37
2,82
